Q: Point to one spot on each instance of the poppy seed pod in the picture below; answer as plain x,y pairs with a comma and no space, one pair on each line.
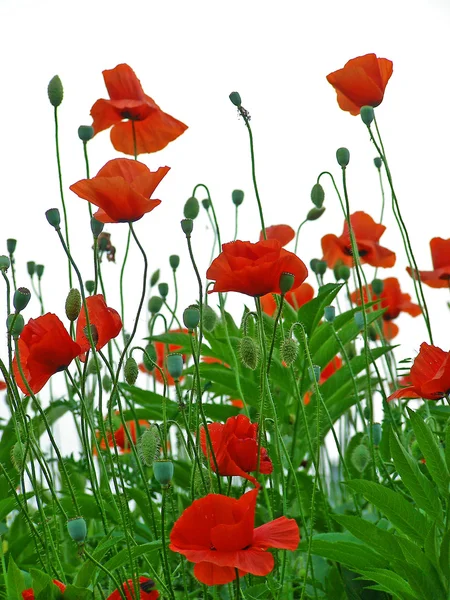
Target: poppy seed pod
21,298
314,373
209,318
53,217
237,196
96,227
342,272
187,225
131,371
107,383
18,456
77,529
11,244
378,162
149,445
15,324
289,350
31,268
163,289
235,98
317,195
150,357
376,434
174,261
154,278
377,286
249,352
359,320
367,114
343,157
287,280
55,91
191,208
318,267
329,313
4,263
40,270
85,133
90,286
360,457
154,304
163,472
191,317
206,203
73,304
315,213
175,365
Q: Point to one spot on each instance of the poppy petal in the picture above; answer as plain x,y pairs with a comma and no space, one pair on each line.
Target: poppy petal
281,533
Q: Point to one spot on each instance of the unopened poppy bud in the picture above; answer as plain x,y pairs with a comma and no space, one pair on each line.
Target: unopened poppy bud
314,373
94,333
85,133
55,91
11,244
206,203
343,272
149,445
163,472
53,217
77,529
21,298
360,457
235,98
96,227
343,156
318,266
249,352
175,365
18,456
73,304
191,208
187,225
366,412
286,282
40,270
107,383
209,318
367,114
31,268
191,317
163,289
131,371
154,278
289,350
15,324
315,213
154,304
174,261
359,320
372,333
377,162
317,195
237,196
94,367
329,313
4,263
150,357
377,286
90,286
376,434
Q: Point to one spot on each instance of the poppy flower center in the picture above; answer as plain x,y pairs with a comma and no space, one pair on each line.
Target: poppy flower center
132,116
349,252
147,586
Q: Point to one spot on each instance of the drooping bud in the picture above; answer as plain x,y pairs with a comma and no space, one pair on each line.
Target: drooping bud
4,263
318,267
53,217
149,445
329,313
131,371
163,289
55,91
317,195
377,161
40,270
289,350
343,157
174,363
237,197
31,268
209,318
77,529
73,304
314,373
206,203
235,98
154,278
367,114
286,282
360,458
174,261
372,333
15,324
163,472
342,272
11,245
249,352
191,317
187,225
90,286
154,304
191,208
359,319
96,227
85,133
315,213
21,298
377,286
150,354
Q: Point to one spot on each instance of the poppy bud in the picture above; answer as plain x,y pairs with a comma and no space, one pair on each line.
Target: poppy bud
377,286
317,195
376,434
289,350
343,156
360,457
163,472
94,367
11,245
31,268
150,357
314,373
53,217
318,267
149,445
131,371
96,227
366,412
367,114
286,282
107,383
163,289
77,529
315,213
94,333
206,203
15,323
191,317
55,91
85,133
187,225
154,304
343,272
18,456
175,365
329,313
40,270
209,318
191,208
73,304
235,98
174,261
377,162
359,320
4,263
249,352
372,333
154,278
350,350
237,196
21,298
90,286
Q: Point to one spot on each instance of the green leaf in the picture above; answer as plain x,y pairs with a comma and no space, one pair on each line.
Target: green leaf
310,313
391,583
257,592
435,462
41,581
73,592
444,555
15,580
346,550
88,569
122,557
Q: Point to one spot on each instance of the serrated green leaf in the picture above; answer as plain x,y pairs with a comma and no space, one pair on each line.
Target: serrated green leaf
346,550
391,583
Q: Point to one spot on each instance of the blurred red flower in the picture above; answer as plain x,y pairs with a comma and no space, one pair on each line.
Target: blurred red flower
254,269
430,375
283,233
121,190
106,320
218,534
361,82
3,386
45,348
367,234
440,256
147,591
325,373
29,594
154,128
120,436
303,294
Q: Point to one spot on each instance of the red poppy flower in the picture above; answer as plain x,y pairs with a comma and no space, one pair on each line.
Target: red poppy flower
45,348
218,534
283,233
361,82
235,446
121,190
237,403
303,294
367,234
106,320
440,256
120,436
161,353
254,269
147,591
3,386
154,128
211,360
430,375
325,373
29,594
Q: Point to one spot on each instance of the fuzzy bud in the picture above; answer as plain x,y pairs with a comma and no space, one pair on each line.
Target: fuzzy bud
237,196
174,261
360,458
209,318
289,350
107,383
73,304
150,357
18,456
249,352
191,208
149,445
55,91
317,195
21,298
131,371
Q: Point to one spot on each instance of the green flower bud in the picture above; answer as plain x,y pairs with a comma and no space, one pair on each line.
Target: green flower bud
317,195
85,133
235,98
163,289
329,313
359,320
367,114
343,157
96,227
376,434
21,298
372,333
289,350
18,456
343,272
53,217
315,213
366,413
174,261
11,245
77,529
107,383
318,267
206,203
377,286
314,373
131,370
191,208
286,282
163,472
377,161
73,304
31,267
4,263
187,225
55,91
154,304
94,367
237,197
174,363
154,278
151,354
249,352
209,318
350,350
90,286
191,317
360,458
40,270
15,324
149,445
